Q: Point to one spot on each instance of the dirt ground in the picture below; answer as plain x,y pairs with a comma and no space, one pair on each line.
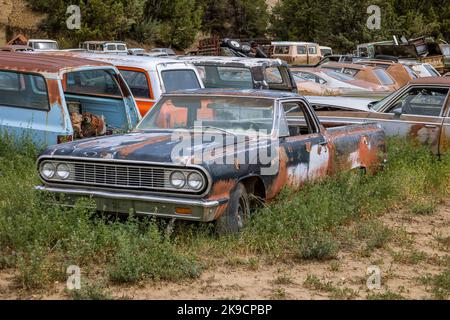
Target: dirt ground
415,249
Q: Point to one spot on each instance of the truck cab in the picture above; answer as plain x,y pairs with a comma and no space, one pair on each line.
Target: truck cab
306,53
42,45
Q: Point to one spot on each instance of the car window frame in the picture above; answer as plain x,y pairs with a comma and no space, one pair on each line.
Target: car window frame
445,104
147,76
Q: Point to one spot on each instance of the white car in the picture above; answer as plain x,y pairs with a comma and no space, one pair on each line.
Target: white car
43,45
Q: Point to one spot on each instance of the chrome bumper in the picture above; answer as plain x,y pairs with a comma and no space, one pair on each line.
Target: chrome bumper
162,206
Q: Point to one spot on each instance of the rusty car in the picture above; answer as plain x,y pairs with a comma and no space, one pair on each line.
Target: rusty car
54,99
401,73
376,75
419,110
330,82
243,73
229,150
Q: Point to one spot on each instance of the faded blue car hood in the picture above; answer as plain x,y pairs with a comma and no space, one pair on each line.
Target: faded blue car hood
148,146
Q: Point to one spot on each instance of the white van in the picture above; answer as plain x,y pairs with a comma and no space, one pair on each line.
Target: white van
114,47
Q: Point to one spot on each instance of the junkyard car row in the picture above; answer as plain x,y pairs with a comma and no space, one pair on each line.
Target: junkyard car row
142,134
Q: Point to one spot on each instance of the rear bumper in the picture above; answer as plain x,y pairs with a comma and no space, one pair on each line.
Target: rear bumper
153,205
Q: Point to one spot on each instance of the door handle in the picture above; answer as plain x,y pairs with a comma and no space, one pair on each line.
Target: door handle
431,126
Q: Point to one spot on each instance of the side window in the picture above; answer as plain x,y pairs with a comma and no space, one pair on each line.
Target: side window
137,81
383,76
23,90
281,50
301,49
111,47
273,75
312,50
92,82
299,119
351,72
421,101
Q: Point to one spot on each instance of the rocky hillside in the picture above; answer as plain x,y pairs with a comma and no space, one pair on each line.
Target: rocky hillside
16,17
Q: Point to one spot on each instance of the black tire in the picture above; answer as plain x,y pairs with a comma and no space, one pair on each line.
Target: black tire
233,44
237,214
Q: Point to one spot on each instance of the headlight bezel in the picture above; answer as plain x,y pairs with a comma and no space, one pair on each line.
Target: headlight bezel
182,177
42,170
58,171
201,179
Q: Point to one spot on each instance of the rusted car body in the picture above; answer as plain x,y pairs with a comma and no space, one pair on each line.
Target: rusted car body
420,110
402,74
306,53
375,75
330,82
54,99
225,133
243,73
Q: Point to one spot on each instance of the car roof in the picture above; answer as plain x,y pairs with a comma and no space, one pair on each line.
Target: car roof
345,65
251,93
142,62
103,42
432,80
44,63
290,43
42,40
243,61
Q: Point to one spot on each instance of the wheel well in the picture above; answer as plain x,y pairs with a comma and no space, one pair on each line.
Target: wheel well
255,186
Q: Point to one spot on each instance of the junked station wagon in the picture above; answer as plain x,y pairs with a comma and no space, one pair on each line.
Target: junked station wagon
55,99
225,149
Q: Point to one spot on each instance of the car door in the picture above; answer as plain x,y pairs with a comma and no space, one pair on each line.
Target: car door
306,148
139,82
416,113
29,109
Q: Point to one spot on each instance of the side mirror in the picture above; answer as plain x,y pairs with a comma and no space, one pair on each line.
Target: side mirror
397,113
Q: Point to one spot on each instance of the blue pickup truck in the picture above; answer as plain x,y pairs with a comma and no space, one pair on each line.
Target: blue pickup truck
56,99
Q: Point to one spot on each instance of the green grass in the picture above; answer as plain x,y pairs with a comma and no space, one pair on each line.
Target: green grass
439,285
39,240
340,293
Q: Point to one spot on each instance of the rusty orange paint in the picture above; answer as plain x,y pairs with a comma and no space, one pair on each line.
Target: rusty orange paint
124,151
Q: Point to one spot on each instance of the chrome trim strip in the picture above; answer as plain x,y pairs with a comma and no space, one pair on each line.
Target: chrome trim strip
134,197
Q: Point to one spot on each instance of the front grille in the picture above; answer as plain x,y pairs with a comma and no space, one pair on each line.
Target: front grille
122,175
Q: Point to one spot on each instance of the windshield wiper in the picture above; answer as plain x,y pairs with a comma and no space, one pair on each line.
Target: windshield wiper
214,128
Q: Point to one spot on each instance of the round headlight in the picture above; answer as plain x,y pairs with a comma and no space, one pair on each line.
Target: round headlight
177,179
195,181
63,171
48,170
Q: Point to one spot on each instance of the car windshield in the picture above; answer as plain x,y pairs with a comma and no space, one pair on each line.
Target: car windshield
46,46
179,80
382,75
235,115
340,76
377,105
225,77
